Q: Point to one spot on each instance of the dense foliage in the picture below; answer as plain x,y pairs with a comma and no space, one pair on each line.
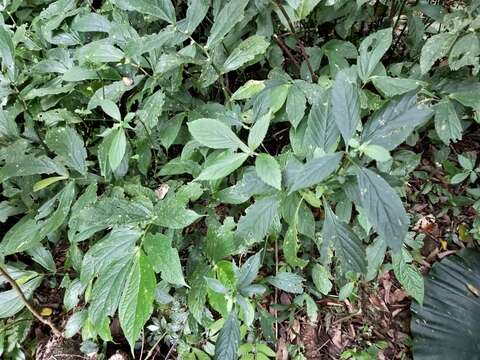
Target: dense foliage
174,166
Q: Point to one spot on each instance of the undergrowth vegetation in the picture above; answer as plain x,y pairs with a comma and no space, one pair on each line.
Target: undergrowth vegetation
205,179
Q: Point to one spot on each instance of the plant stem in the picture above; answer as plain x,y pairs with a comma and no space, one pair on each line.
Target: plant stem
286,50
305,56
27,304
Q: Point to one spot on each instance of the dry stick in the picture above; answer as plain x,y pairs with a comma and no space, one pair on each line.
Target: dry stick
29,306
286,50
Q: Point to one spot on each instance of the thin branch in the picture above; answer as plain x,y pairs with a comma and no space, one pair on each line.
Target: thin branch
286,16
29,306
286,50
309,66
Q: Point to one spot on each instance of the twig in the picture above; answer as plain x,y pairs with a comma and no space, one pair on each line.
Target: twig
29,306
305,56
286,50
150,352
286,16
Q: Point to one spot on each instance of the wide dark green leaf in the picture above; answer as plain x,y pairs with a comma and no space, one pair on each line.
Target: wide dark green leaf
447,325
245,52
226,19
345,104
215,134
136,303
162,9
447,123
67,144
228,339
435,48
24,235
348,247
268,170
30,165
371,50
7,52
384,207
223,165
390,126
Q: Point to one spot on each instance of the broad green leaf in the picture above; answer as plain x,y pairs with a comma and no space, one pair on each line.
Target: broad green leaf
196,12
117,245
136,303
376,152
24,235
107,290
296,103
390,126
305,7
10,303
435,48
171,213
223,165
345,105
249,89
470,98
164,258
458,178
215,134
91,22
321,132
375,256
447,123
465,52
72,295
99,52
245,52
383,207
259,131
151,110
68,144
162,9
391,87
371,50
117,148
321,279
409,277
75,323
249,270
268,170
226,19
345,291
42,184
43,256
8,127
290,247
258,220
315,171
7,52
287,281
111,109
228,339
348,247
30,165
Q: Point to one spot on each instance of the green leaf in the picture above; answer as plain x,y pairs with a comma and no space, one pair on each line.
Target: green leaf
446,326
391,87
249,270
321,279
371,50
345,291
107,290
223,165
375,256
376,152
7,52
30,165
215,134
465,52
258,220
226,19
24,235
164,258
228,339
315,171
42,184
321,132
245,52
259,131
435,48
99,52
117,148
10,303
67,144
305,7
458,178
162,9
409,277
196,12
296,104
390,126
136,303
287,281
268,170
348,247
152,108
75,323
383,207
249,89
171,213
447,123
345,105
111,109
8,127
